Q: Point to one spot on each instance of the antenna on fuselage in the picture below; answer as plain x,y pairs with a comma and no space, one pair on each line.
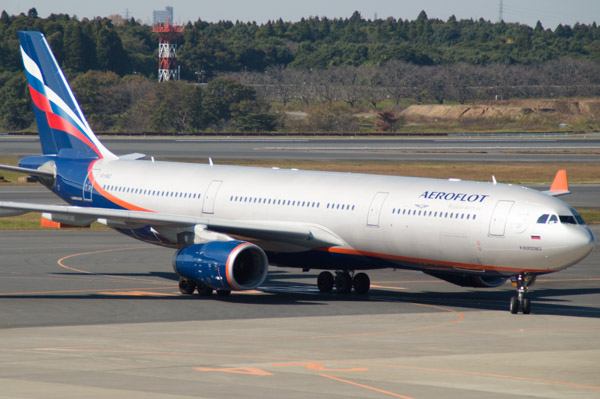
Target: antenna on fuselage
210,162
494,180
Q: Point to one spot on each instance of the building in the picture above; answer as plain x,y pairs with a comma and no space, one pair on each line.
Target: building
162,17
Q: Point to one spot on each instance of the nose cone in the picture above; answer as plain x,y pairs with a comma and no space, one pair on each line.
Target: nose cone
581,243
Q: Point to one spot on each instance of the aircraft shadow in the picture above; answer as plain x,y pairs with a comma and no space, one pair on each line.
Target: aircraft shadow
286,288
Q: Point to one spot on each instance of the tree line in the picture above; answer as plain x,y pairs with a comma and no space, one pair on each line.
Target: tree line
315,59
401,82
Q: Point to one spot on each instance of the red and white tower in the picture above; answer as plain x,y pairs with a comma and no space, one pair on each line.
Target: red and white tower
167,50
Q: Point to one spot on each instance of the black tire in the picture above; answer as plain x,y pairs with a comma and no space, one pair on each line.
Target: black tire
514,305
186,287
526,305
325,282
361,283
204,290
223,292
343,283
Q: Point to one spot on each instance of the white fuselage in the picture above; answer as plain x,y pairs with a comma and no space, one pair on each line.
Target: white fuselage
412,222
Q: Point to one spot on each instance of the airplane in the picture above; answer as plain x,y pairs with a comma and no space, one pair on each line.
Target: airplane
229,223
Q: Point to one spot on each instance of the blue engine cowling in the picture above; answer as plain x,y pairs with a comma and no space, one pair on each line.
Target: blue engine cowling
223,265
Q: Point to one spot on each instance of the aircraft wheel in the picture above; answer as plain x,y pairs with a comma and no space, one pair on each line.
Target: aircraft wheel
361,283
204,290
514,305
526,305
343,282
223,292
186,287
325,282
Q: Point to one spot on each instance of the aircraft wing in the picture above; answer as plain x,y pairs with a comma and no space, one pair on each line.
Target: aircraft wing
303,234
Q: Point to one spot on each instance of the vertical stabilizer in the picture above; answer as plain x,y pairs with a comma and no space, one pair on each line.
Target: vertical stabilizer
61,124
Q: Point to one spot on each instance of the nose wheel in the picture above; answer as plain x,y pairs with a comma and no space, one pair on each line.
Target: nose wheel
521,301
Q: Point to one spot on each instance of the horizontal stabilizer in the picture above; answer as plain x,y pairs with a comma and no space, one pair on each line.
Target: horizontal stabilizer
132,157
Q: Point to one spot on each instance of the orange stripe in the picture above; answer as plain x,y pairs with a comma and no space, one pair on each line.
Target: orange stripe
230,278
425,262
111,197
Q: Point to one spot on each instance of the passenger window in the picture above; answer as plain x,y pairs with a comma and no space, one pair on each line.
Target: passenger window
553,219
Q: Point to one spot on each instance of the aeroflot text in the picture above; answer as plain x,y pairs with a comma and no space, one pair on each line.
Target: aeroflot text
453,196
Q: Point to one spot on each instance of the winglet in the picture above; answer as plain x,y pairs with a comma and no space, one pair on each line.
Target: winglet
559,186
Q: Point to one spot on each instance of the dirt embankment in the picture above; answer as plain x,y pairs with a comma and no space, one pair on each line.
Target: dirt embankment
557,110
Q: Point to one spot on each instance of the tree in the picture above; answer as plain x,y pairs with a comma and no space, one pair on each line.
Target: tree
88,88
80,52
220,95
110,53
386,121
172,107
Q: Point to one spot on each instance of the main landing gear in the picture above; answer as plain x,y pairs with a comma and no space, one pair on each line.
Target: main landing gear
344,282
187,287
521,301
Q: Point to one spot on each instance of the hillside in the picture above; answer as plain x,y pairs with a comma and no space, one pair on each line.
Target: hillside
546,111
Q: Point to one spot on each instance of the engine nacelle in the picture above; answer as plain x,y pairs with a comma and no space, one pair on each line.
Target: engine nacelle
468,280
223,265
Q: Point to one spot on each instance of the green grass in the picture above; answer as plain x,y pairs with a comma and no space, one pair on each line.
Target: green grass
591,216
32,221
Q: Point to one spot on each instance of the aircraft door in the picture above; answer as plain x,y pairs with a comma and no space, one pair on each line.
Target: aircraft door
375,209
88,187
208,206
499,218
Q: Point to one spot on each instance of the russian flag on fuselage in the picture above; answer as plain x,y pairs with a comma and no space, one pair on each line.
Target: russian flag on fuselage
61,122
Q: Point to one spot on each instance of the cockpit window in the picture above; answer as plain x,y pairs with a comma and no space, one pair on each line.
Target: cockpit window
577,216
567,219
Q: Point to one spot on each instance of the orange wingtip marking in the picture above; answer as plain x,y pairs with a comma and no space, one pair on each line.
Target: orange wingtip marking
560,181
56,225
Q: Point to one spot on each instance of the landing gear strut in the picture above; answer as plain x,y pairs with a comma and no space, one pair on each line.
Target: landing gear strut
521,301
344,282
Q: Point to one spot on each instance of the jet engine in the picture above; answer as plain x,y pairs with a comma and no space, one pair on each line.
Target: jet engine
223,265
468,280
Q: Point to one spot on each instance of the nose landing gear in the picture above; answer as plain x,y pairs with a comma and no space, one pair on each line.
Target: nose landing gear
521,302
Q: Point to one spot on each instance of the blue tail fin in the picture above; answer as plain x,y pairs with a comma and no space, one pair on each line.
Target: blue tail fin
61,124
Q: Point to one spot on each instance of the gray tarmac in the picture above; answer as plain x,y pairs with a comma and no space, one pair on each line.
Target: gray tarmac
94,314
439,149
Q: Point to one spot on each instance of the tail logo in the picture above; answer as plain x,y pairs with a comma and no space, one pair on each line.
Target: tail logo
60,121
